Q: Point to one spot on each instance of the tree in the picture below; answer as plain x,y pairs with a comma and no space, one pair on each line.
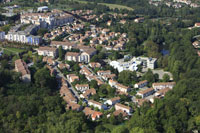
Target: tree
166,78
93,84
127,77
61,52
44,80
120,129
42,31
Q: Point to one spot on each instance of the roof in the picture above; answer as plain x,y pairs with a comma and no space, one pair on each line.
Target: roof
72,54
163,83
65,43
122,106
142,82
94,102
163,91
46,48
115,99
118,112
81,85
74,106
101,71
89,92
146,91
22,67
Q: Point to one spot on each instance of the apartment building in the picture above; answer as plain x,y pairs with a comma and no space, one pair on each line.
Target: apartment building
146,92
47,20
16,34
48,51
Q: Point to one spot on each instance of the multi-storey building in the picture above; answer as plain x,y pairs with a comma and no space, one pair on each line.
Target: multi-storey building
47,20
48,51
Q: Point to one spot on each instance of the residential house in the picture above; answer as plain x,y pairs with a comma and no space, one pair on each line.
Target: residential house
197,25
82,87
163,85
86,71
100,73
67,95
21,66
48,51
88,93
74,106
139,20
63,66
108,76
113,101
162,92
96,104
122,107
146,92
91,113
122,88
196,44
66,45
95,65
72,56
120,112
72,77
53,71
141,84
49,61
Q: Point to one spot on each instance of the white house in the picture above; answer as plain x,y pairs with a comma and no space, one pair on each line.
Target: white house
146,92
163,85
113,101
82,87
48,51
141,84
122,107
96,104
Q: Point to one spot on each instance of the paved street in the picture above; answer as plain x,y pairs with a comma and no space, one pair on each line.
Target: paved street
70,85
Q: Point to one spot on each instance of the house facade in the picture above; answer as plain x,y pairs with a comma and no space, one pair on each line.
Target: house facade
48,51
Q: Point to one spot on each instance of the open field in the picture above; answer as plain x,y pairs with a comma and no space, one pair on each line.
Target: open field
10,51
112,6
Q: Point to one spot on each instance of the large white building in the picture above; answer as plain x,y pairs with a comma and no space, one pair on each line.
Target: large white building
2,35
47,20
132,65
24,36
48,51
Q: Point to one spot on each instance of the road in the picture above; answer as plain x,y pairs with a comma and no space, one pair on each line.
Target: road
70,85
99,77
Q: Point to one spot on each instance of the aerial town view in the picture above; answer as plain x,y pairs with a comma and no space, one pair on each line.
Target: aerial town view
99,66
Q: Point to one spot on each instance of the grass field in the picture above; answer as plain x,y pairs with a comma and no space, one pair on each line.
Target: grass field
10,51
112,6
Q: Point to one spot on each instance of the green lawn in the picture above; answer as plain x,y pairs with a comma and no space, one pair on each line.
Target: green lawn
112,6
10,51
